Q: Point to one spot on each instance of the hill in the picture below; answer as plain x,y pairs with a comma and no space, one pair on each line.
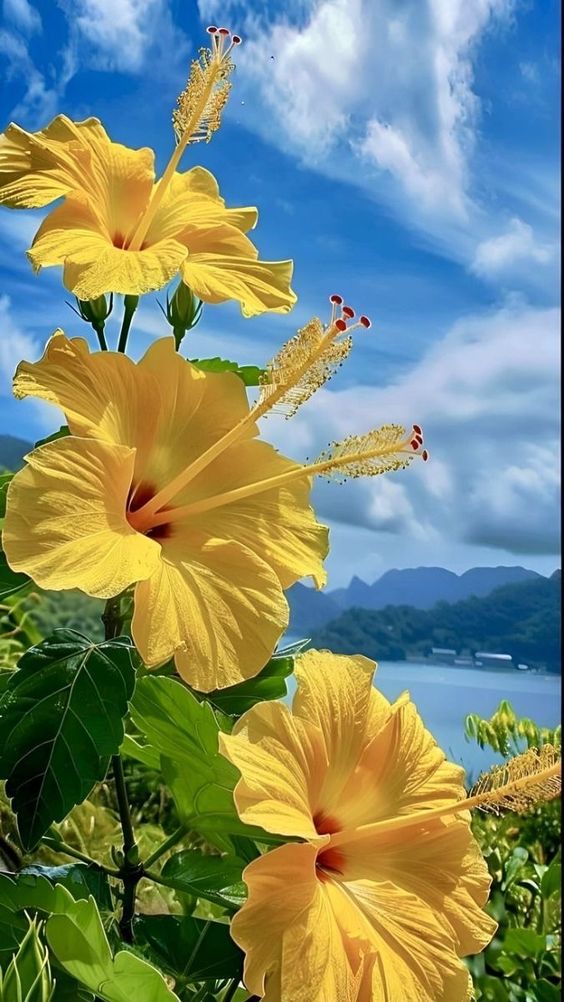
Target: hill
519,619
12,451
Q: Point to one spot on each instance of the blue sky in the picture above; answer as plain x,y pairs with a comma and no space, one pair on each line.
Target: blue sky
405,154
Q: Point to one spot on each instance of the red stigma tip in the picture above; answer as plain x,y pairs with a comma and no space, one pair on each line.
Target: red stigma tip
348,312
224,31
211,30
424,455
417,429
365,321
336,299
340,324
414,444
419,439
236,40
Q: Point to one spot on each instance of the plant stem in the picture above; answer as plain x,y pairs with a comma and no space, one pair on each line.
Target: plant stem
166,845
129,306
57,845
131,869
99,328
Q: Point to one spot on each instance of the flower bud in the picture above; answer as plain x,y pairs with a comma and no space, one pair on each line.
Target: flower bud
183,311
28,976
95,311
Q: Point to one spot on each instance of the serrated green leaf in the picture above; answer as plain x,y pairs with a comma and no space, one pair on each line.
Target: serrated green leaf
270,683
10,581
28,975
185,731
61,433
190,949
80,945
214,878
250,374
80,879
25,892
61,718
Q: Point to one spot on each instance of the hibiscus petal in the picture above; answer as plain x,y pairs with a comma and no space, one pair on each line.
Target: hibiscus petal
257,285
415,958
294,946
279,525
38,167
282,761
65,521
440,862
214,605
335,692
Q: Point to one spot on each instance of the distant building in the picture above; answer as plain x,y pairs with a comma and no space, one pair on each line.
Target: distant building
443,654
491,660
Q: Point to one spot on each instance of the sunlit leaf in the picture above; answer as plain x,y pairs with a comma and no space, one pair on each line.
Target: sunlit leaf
60,721
215,878
250,374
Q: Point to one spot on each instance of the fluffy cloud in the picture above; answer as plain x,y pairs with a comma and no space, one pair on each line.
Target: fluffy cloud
373,80
23,15
15,344
124,35
517,245
487,397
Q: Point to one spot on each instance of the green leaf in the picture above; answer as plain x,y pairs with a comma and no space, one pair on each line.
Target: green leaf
80,879
60,721
10,581
190,949
81,947
61,433
250,374
185,731
141,753
215,878
551,879
270,683
28,975
5,479
524,942
29,892
546,992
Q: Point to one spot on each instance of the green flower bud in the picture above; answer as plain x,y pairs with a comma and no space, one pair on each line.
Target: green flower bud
28,976
95,311
183,311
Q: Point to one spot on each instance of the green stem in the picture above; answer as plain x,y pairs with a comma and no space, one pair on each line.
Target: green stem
131,869
231,991
129,306
58,845
166,845
99,328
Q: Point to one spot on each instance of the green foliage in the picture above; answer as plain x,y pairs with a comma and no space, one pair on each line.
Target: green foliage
518,619
10,582
215,878
250,374
523,962
62,432
61,718
77,938
28,975
270,683
191,949
185,731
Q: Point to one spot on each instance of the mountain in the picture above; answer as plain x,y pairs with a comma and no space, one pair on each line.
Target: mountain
309,609
12,451
519,619
421,587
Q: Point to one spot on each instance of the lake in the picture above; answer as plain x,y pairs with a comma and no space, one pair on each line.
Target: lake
445,694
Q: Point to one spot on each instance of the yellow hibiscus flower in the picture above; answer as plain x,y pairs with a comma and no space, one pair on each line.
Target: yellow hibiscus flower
368,906
162,484
209,589
118,230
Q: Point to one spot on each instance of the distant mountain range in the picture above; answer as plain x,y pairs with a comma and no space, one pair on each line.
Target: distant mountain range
418,587
12,452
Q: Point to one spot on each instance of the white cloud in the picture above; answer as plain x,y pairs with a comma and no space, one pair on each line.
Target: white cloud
341,80
15,344
124,35
500,254
41,96
23,14
487,398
